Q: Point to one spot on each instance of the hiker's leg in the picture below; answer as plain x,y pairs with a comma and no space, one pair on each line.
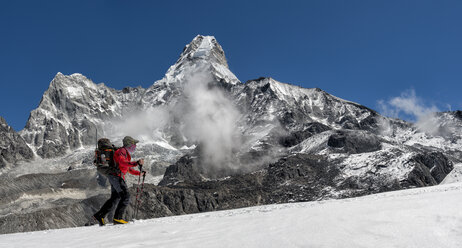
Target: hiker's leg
124,200
115,197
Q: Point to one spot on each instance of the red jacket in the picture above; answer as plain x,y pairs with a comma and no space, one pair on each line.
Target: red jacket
122,158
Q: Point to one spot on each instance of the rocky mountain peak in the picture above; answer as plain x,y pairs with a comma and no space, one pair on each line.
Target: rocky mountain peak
202,53
204,47
70,82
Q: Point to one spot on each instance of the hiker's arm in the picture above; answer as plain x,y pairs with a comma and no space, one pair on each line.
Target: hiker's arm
133,172
123,161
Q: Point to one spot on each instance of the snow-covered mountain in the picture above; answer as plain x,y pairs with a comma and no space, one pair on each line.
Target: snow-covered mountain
221,143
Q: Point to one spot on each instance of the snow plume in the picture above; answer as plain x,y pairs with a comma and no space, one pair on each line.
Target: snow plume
385,127
209,118
409,106
144,125
203,115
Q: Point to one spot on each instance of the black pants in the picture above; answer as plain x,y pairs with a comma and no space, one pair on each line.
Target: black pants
119,193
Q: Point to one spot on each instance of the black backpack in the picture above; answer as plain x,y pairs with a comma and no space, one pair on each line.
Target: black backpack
104,158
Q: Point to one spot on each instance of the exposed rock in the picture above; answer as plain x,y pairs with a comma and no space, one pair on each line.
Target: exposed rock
354,141
458,114
430,169
298,136
299,177
185,170
13,148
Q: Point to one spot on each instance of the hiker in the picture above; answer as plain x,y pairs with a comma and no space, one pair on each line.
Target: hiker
119,189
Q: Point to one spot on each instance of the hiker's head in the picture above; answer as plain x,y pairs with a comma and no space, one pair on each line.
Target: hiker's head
130,143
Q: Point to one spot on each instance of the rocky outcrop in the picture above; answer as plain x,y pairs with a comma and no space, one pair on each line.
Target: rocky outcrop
458,114
430,169
185,170
298,177
352,142
296,137
13,148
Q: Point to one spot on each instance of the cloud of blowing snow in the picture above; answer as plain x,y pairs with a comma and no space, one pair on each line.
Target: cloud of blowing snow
144,125
203,115
412,108
209,118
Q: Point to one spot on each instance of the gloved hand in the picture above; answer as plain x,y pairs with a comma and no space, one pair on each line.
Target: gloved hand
143,173
140,162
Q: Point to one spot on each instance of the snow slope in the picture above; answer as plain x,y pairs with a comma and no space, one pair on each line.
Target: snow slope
454,176
423,217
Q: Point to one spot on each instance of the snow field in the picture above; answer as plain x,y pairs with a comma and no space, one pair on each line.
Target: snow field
423,217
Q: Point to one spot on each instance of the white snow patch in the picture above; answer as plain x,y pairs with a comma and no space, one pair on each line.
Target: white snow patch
205,47
314,143
223,72
379,162
455,176
165,145
74,92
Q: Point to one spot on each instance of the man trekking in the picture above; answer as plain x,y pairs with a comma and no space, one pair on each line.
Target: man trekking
119,189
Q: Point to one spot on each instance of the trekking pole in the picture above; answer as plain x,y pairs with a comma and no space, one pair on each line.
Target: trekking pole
141,195
137,191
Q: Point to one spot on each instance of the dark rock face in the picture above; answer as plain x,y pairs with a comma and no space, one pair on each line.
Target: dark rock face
296,137
295,178
183,198
185,170
354,141
13,148
430,169
299,177
458,114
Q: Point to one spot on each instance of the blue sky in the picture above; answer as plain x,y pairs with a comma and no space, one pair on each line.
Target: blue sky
363,51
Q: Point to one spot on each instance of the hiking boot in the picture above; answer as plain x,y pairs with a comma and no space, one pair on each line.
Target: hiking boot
119,221
99,219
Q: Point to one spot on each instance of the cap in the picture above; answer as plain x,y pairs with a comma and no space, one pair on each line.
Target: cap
129,141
